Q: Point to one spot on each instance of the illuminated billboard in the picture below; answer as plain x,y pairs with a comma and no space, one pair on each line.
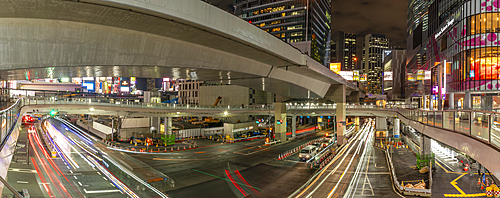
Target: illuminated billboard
348,75
335,67
355,76
387,76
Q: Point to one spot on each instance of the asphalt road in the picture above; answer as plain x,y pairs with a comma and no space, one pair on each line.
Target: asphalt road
233,170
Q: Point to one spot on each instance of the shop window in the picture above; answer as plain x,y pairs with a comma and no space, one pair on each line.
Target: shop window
484,23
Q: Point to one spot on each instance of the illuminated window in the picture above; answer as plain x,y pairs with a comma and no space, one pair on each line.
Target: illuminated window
296,34
276,29
484,23
282,35
294,27
276,22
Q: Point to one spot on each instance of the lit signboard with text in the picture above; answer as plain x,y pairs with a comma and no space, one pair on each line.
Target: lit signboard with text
335,67
348,75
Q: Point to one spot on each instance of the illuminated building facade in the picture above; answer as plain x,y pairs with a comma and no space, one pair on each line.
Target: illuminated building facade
303,23
343,50
459,49
374,47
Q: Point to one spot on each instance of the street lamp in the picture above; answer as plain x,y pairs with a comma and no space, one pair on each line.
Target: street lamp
91,109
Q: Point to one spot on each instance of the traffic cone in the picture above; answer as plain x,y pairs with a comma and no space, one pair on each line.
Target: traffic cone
190,146
165,150
130,141
178,148
172,149
184,148
135,144
157,145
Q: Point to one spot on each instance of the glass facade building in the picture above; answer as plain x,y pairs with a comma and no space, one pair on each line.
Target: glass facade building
343,50
293,21
374,47
458,52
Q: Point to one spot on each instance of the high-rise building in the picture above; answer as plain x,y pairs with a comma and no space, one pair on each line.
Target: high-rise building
303,23
395,73
343,50
374,46
452,50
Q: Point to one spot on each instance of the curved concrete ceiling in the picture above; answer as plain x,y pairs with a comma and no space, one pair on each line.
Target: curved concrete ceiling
100,38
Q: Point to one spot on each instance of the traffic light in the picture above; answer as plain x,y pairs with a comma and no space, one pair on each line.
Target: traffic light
280,122
53,113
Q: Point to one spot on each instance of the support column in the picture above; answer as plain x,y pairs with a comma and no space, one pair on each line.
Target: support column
294,127
340,113
424,100
425,145
467,101
440,88
356,123
158,125
431,102
451,101
280,114
169,126
396,128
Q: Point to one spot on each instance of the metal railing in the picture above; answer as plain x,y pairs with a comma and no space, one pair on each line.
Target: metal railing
9,119
126,103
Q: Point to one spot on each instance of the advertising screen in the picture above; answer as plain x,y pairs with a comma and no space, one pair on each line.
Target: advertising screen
88,85
485,68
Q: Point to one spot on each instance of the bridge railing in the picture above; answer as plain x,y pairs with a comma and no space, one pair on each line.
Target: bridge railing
9,131
127,103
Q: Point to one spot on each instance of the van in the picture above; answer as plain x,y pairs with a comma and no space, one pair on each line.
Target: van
308,152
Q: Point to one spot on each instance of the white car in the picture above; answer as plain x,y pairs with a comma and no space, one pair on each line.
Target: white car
308,152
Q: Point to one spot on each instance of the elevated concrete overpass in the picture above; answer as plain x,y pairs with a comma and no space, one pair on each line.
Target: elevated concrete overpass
472,145
156,38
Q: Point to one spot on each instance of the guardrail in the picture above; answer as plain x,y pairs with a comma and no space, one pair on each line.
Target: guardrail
397,184
9,122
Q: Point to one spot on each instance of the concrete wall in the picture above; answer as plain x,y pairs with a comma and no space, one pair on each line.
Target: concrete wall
231,95
135,123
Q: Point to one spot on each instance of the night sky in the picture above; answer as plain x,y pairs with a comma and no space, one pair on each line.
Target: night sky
362,17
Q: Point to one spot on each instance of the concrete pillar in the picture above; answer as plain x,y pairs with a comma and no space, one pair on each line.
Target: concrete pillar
150,124
356,123
396,128
451,101
167,126
467,101
425,145
280,114
341,123
158,125
487,101
294,127
424,100
431,102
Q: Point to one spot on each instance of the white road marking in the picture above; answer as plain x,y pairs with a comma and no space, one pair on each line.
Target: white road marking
80,183
22,182
100,191
75,177
105,178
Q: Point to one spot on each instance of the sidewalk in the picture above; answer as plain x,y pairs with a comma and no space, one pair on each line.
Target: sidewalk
21,174
403,159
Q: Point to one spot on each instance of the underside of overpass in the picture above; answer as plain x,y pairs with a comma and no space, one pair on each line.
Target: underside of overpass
55,38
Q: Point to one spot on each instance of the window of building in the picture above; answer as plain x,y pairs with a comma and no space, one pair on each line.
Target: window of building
294,27
296,34
276,29
484,23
